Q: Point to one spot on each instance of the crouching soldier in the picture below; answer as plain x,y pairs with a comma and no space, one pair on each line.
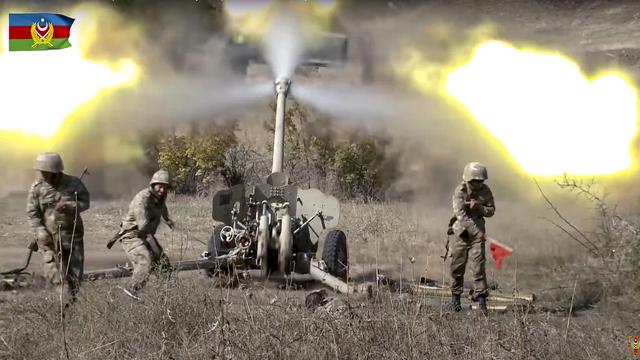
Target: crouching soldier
472,202
54,204
138,229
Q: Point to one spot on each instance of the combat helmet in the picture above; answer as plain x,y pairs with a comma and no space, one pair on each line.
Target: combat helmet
474,171
49,162
160,177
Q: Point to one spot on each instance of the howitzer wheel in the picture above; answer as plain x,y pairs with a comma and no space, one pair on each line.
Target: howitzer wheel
262,248
335,254
216,247
285,251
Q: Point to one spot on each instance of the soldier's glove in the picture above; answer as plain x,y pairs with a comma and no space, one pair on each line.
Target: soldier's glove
33,245
170,224
43,237
480,235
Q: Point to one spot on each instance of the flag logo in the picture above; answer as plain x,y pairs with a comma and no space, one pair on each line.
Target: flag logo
39,31
42,33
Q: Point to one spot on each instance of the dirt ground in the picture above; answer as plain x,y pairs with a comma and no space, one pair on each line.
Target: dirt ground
384,234
191,317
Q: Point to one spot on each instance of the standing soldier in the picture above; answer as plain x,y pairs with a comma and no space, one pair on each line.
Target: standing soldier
138,229
472,202
54,204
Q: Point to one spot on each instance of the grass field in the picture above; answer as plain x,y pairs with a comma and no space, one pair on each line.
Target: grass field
188,317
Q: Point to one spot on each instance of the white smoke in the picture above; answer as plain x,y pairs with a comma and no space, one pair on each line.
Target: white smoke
284,43
347,102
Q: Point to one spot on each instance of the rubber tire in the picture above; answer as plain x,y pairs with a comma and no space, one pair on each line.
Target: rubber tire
285,251
335,254
263,238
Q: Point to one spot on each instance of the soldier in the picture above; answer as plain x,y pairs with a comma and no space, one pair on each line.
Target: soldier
54,204
472,202
138,228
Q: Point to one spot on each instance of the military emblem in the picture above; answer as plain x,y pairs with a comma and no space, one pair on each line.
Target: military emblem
633,345
42,33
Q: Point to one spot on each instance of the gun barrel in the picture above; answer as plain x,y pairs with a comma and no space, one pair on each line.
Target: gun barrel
281,88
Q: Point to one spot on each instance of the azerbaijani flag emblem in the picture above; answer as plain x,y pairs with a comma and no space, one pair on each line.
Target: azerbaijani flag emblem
39,31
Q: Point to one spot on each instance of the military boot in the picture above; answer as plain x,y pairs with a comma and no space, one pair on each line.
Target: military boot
455,302
482,305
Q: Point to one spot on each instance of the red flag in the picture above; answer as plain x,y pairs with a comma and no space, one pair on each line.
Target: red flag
499,251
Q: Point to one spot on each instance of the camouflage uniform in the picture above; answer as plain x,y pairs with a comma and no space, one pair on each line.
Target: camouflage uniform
60,232
469,228
137,236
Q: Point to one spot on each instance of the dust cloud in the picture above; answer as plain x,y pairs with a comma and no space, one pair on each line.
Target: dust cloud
184,79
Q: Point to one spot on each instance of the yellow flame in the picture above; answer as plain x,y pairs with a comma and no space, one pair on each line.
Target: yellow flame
549,116
42,88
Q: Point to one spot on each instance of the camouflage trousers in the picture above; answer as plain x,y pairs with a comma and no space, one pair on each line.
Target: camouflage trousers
146,255
473,251
64,265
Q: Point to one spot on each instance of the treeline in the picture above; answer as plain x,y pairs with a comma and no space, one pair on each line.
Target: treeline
347,162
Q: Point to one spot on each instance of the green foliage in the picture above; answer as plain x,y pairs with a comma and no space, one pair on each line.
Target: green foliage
296,150
243,164
362,169
195,161
349,163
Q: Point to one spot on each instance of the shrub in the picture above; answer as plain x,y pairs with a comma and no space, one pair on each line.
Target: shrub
362,169
347,162
196,161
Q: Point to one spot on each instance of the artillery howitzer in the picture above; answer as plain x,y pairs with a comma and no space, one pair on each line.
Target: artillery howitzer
274,227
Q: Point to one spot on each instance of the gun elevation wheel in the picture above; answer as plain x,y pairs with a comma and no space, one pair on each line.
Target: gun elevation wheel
216,247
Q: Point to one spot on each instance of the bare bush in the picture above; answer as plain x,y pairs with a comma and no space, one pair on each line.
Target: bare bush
612,244
243,164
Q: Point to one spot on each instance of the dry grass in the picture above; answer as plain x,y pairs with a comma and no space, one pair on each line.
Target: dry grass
189,318
184,319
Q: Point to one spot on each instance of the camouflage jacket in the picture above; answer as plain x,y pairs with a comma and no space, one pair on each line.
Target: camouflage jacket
471,220
145,213
43,198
